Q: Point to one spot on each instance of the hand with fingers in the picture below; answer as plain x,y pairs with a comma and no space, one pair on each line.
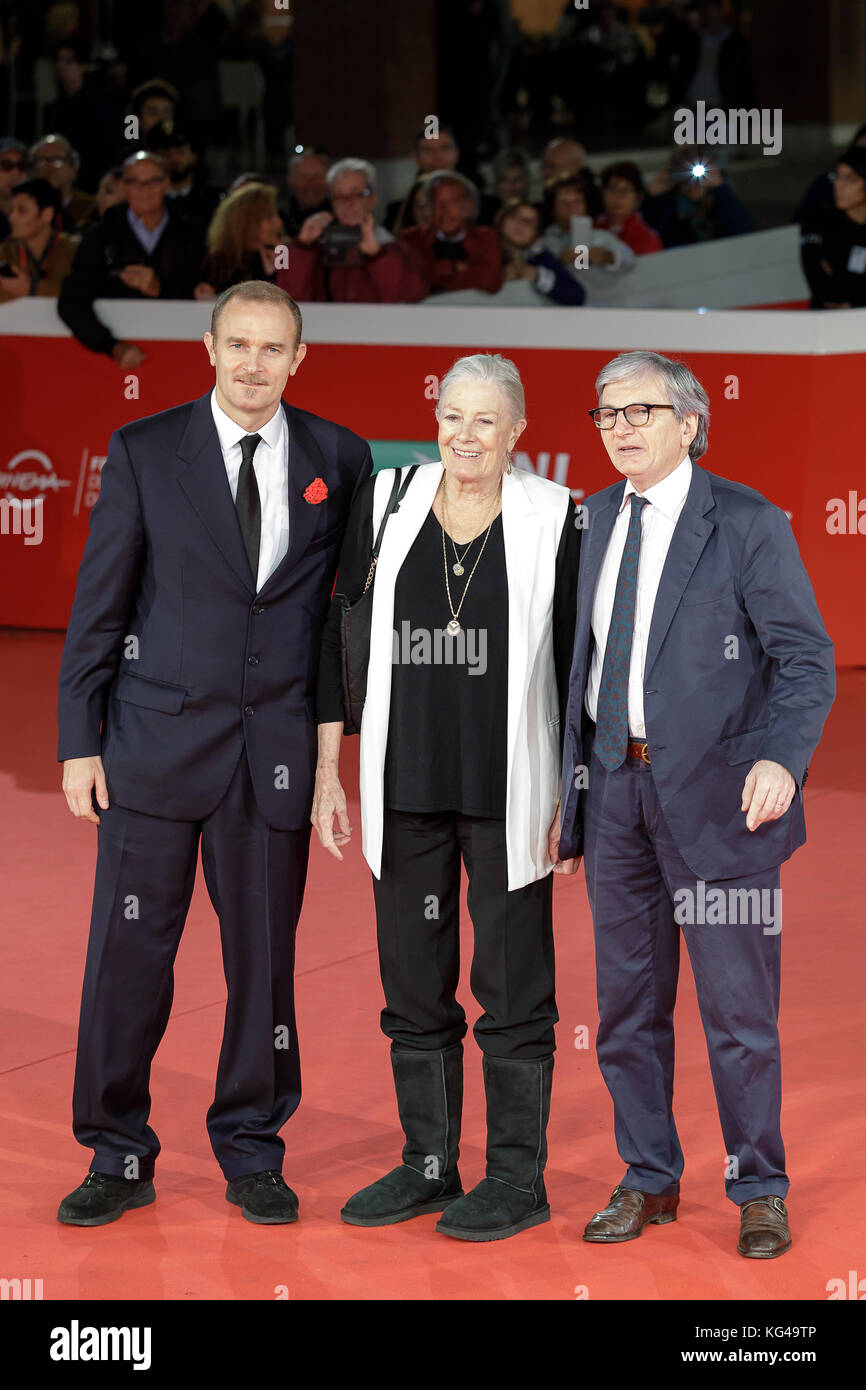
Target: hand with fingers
560,866
81,777
767,793
329,800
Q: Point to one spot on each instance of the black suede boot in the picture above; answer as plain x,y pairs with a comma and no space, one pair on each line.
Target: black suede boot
429,1089
512,1197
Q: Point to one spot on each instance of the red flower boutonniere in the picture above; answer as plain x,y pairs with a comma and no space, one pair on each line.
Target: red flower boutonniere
316,492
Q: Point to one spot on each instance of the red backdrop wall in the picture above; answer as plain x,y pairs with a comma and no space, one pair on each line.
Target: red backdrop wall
777,432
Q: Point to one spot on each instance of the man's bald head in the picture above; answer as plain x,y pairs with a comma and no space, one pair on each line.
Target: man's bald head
562,157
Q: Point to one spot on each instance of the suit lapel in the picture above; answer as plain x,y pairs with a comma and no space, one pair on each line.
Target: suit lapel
592,552
691,534
206,484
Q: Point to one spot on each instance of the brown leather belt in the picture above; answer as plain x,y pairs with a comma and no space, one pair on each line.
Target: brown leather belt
636,749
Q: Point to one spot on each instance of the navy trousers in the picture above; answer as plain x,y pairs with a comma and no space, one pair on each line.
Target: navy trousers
145,872
642,894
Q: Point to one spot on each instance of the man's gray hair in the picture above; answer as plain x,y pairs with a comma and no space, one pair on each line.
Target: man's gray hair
492,369
352,166
145,157
55,138
685,392
452,176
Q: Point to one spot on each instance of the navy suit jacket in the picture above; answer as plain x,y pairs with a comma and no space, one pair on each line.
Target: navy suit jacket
172,660
713,707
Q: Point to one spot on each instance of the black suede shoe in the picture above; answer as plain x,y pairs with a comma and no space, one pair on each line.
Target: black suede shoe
400,1195
263,1198
102,1197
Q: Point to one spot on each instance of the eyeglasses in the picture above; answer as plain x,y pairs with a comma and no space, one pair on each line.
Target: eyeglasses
604,416
7,165
347,197
51,163
143,183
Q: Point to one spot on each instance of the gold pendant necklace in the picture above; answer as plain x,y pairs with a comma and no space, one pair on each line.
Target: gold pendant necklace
453,627
457,567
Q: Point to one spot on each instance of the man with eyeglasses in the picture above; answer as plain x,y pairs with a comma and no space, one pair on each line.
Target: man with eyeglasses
344,256
141,248
14,166
701,680
55,159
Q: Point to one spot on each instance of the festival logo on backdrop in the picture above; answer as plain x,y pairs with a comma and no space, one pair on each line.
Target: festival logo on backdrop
29,474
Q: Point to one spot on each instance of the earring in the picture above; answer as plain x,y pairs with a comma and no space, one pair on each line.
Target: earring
508,464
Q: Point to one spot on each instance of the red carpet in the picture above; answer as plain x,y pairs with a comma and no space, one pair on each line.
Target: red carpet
192,1245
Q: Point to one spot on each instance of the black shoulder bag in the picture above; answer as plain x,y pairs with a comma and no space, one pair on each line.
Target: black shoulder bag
355,620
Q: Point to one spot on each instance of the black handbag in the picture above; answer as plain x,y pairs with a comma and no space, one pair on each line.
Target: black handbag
355,620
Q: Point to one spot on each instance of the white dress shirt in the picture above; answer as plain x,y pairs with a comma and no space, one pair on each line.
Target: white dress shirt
271,465
658,521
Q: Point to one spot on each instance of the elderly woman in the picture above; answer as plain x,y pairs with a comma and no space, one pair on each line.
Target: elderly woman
470,652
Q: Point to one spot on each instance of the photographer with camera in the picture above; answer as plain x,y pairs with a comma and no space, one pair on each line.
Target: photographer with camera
143,247
343,256
689,201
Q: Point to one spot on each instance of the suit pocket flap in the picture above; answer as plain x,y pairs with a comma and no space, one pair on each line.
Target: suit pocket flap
151,694
718,591
329,538
744,747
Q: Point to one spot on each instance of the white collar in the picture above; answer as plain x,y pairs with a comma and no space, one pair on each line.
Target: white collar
667,495
231,433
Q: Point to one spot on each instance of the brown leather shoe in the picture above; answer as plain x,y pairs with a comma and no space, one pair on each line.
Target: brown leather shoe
764,1229
627,1214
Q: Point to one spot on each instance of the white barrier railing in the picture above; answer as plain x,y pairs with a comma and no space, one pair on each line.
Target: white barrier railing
795,332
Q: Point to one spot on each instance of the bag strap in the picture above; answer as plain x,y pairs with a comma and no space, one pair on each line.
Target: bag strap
398,492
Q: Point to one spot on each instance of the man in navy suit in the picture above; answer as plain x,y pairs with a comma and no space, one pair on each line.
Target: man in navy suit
187,716
701,680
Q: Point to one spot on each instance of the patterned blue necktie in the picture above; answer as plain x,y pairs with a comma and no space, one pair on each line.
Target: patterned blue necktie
611,715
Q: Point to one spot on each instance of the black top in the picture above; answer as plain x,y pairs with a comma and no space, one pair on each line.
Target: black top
833,256
109,245
447,727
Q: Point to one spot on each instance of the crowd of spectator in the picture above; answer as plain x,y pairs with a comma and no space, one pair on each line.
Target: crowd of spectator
155,228
114,202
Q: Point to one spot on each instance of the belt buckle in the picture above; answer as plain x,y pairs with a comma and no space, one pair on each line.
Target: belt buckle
644,752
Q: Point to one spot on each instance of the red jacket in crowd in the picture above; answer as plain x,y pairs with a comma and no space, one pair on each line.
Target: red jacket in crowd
395,276
635,232
479,269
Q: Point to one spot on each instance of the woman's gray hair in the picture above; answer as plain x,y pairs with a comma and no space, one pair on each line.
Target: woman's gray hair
685,392
492,369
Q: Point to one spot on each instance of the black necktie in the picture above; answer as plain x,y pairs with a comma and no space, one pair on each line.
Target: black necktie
249,508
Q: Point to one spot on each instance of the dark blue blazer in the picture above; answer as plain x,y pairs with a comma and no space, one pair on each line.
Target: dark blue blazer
172,660
733,570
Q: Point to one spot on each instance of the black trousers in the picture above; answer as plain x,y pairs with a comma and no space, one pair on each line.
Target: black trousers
418,925
145,872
